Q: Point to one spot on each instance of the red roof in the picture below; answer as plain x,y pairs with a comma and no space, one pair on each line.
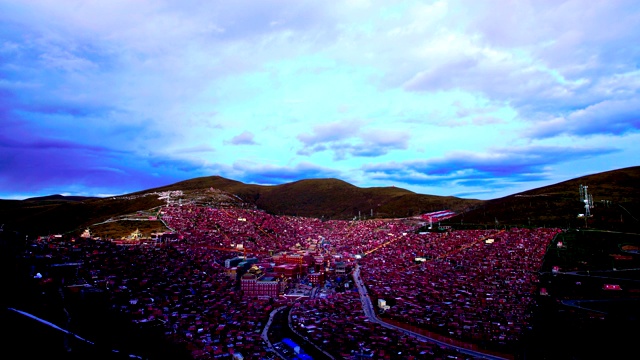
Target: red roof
611,287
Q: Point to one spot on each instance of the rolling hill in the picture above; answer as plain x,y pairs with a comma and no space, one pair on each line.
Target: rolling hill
616,201
616,204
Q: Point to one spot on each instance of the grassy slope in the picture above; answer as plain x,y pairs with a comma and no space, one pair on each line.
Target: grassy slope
615,194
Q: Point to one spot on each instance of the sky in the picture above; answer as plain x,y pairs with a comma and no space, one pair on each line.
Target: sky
474,99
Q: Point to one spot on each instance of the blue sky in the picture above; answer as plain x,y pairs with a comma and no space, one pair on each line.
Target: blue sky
475,99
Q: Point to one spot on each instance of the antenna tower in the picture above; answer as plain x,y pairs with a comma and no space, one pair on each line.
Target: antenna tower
587,199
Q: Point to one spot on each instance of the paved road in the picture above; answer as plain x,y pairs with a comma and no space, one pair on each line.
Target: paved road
265,331
371,314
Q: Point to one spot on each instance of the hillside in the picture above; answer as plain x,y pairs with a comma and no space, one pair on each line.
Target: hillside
615,197
328,198
616,204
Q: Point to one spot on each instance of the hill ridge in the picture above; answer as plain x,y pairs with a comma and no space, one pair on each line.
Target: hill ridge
615,196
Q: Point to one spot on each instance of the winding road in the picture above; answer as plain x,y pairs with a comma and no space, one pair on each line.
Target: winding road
370,313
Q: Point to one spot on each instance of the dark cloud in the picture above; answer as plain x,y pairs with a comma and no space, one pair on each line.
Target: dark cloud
57,107
349,139
480,194
368,150
497,168
246,138
614,117
312,149
331,132
12,144
196,149
47,166
269,174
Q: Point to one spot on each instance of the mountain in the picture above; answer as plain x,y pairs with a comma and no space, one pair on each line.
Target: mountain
328,198
616,204
59,198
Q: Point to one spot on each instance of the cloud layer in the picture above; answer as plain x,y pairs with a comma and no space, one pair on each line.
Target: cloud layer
462,98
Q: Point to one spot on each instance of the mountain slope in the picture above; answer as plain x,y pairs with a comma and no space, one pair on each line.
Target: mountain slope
616,204
328,198
615,194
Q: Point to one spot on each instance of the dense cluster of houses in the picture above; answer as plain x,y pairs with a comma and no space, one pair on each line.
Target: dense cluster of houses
213,284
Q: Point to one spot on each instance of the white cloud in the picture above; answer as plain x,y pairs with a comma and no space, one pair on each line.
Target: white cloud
335,85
